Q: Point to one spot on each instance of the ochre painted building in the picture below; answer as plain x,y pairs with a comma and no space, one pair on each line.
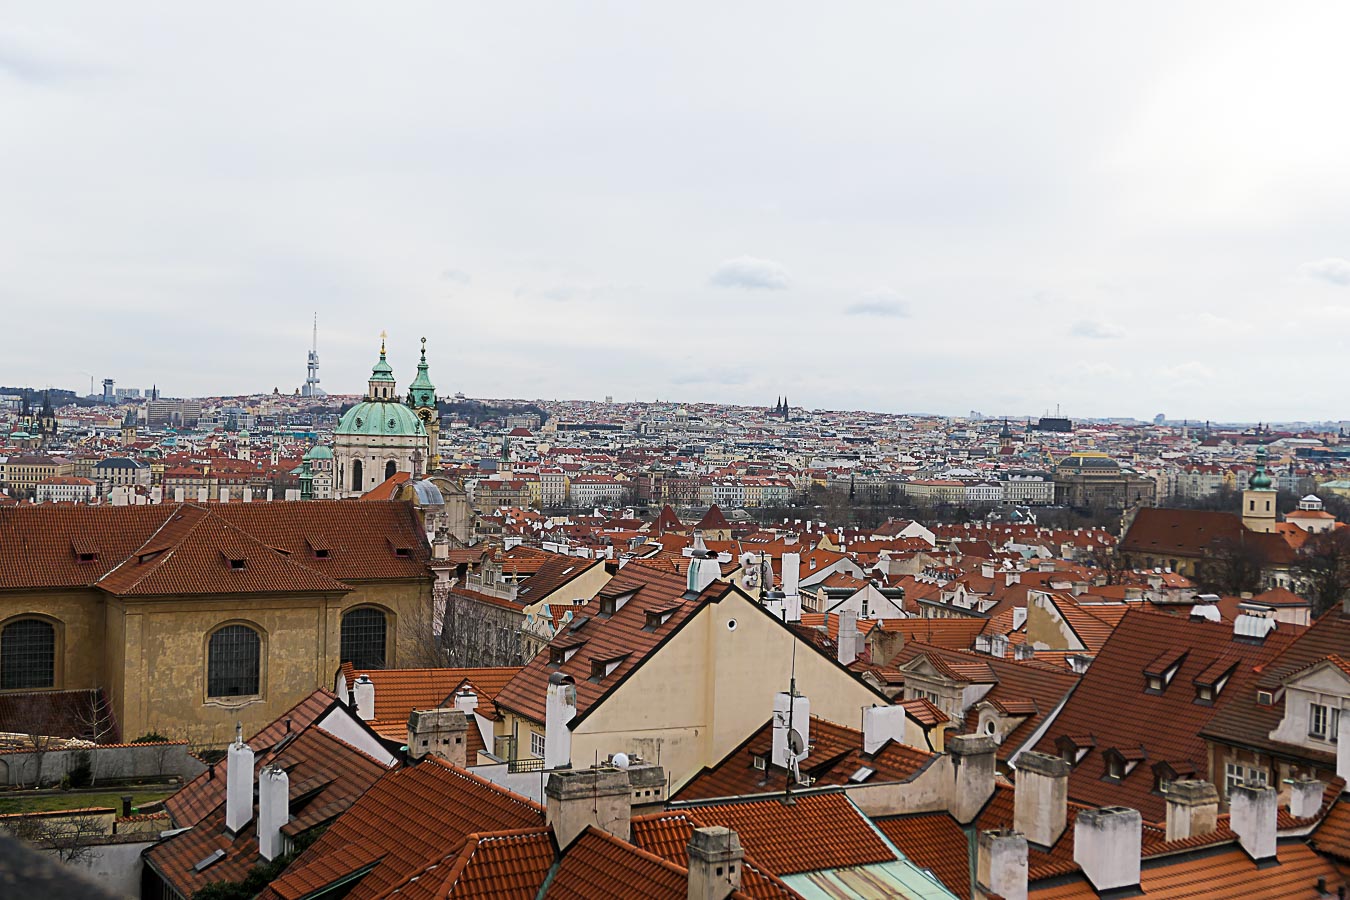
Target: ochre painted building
195,617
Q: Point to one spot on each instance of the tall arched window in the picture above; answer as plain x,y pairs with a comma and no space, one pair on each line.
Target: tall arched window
389,469
356,475
363,638
233,662
27,655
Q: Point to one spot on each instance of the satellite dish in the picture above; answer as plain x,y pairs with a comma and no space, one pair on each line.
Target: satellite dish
795,743
620,760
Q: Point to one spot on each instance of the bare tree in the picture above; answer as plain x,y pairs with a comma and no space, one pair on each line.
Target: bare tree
69,838
1231,566
1323,567
95,725
421,638
32,712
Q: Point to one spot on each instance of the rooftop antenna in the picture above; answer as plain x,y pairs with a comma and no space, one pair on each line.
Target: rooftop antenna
796,746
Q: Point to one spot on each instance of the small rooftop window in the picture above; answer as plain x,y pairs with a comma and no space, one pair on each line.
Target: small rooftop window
237,564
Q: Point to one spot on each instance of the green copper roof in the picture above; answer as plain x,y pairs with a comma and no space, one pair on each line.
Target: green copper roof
319,451
1260,481
422,382
382,370
380,417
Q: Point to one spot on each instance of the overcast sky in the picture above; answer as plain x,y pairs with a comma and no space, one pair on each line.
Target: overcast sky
1123,209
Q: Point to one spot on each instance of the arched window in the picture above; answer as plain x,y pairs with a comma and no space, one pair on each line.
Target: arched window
233,662
356,475
363,638
27,655
389,469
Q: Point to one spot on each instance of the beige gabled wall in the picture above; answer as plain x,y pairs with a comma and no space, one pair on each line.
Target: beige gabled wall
710,688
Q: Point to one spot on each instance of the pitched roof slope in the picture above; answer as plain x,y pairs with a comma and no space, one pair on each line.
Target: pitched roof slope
1113,705
415,816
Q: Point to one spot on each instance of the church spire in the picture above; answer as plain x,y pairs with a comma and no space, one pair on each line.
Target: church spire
382,377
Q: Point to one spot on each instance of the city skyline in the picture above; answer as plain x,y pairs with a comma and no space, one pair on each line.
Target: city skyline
894,208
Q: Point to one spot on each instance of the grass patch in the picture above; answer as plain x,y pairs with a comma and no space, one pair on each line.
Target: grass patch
20,803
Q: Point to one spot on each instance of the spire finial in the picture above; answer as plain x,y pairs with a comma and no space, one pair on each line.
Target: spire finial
424,351
383,335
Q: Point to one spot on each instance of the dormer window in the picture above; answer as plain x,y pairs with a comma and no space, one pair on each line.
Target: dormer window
402,552
1323,721
559,655
236,564
1159,673
1115,767
601,668
88,557
612,603
321,554
658,617
1265,698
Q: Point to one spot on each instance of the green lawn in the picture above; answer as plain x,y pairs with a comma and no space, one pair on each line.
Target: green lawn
19,802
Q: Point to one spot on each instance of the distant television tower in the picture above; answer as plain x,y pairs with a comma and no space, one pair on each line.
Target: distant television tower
311,388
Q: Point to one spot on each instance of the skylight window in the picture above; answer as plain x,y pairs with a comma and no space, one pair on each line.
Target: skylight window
861,775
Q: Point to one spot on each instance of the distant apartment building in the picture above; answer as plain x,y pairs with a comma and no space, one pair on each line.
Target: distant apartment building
552,487
173,413
984,492
23,473
65,489
1029,489
120,471
597,490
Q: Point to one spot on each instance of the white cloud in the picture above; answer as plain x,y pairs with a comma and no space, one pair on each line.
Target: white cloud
751,273
458,276
1332,270
1191,371
1096,330
884,302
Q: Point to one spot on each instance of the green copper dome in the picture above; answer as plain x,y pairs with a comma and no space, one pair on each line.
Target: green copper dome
319,451
422,393
382,418
1260,481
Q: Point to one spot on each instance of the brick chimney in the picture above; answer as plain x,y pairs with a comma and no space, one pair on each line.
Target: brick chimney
884,646
560,707
715,860
363,689
238,783
274,811
1305,797
578,798
1001,868
973,767
442,731
1252,811
1106,846
1041,799
1192,809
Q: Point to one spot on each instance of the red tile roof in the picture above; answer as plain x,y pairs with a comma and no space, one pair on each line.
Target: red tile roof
1111,703
933,841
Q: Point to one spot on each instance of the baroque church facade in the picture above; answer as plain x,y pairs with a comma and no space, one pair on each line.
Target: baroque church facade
385,434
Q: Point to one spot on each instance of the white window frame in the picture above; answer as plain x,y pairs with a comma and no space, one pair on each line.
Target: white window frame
1236,774
1319,717
536,745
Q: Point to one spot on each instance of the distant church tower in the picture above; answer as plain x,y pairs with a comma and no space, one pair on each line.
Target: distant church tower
422,399
129,428
377,437
46,424
1258,500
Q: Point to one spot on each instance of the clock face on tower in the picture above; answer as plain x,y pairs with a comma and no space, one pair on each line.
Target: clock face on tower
425,414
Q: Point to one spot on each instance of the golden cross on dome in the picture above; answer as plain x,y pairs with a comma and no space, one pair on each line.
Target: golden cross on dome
383,335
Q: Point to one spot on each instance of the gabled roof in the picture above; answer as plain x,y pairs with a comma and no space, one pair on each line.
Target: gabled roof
641,589
713,520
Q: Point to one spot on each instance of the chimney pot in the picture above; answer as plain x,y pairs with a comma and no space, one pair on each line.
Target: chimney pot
364,692
1107,844
715,863
576,799
1041,798
1192,809
274,811
1305,797
560,707
1252,813
1002,865
441,731
238,784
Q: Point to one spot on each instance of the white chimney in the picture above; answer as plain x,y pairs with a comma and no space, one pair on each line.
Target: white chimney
973,766
1192,809
1041,798
202,494
1305,797
715,863
248,495
560,706
882,724
790,713
466,701
791,574
1106,846
1252,812
846,647
1343,745
239,783
179,494
364,690
224,495
1002,865
274,811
